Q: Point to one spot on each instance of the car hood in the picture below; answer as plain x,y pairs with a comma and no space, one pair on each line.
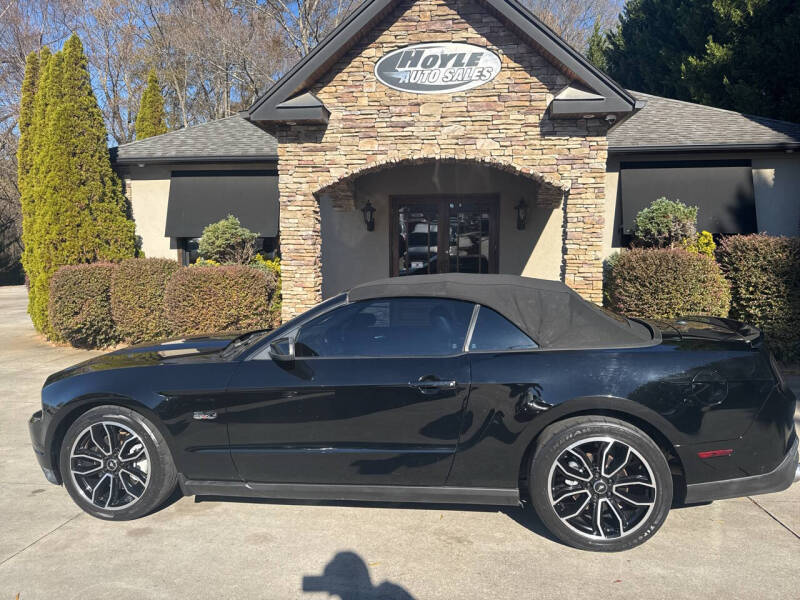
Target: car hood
708,329
207,347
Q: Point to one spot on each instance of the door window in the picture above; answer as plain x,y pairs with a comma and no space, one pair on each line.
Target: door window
388,327
494,332
445,234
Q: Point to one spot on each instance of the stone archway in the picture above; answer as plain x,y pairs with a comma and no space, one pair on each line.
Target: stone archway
341,187
301,238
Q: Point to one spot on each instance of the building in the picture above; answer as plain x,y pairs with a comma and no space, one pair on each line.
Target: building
459,135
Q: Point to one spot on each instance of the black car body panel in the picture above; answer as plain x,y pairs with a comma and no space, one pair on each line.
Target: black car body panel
462,425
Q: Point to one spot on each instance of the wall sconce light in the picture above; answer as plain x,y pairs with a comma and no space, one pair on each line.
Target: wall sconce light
369,215
522,214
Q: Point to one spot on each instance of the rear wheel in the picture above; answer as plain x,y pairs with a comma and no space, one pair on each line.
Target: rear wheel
599,483
115,464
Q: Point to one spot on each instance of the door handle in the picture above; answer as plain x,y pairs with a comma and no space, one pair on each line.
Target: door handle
431,386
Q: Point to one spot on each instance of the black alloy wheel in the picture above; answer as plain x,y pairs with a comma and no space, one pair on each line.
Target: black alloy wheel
600,484
115,464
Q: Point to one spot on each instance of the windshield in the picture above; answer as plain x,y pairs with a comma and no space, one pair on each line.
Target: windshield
319,308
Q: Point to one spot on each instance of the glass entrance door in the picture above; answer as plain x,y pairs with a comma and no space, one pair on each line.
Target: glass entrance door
443,234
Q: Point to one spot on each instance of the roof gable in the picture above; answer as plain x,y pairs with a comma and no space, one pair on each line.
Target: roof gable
609,97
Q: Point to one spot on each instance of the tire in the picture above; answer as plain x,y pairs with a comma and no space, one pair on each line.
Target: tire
115,464
594,506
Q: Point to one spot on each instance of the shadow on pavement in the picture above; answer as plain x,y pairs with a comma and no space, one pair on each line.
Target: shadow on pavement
347,576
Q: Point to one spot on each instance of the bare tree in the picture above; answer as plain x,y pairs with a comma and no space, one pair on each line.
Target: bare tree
116,59
214,56
303,22
574,20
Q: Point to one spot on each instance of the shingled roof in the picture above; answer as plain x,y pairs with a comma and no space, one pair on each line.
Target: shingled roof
666,124
662,125
229,139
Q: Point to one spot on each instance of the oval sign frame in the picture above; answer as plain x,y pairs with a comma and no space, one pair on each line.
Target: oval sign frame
437,67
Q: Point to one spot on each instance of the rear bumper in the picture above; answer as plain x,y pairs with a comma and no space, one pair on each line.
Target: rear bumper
36,429
777,480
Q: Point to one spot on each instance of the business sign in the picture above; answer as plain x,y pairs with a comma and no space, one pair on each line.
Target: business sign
437,68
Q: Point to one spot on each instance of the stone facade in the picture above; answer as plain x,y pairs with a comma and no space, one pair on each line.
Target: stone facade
503,123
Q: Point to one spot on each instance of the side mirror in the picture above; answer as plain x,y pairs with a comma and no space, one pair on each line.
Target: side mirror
282,350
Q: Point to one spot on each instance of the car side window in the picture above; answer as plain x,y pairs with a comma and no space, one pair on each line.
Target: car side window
388,327
494,332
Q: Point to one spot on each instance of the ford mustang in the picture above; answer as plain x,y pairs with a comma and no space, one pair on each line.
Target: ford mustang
469,389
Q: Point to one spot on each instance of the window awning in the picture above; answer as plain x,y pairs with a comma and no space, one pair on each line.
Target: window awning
199,198
722,191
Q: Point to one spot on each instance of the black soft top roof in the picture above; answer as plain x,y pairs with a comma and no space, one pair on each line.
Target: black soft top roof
551,313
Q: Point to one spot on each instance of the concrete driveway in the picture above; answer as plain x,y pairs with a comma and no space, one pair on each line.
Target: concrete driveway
743,548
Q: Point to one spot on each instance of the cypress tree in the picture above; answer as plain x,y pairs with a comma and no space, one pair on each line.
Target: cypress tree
30,181
151,119
81,213
27,98
595,52
25,149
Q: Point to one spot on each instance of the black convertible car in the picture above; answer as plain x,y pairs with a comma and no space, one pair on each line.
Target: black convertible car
434,388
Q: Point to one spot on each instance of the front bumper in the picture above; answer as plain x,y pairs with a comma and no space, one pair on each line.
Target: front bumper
777,480
36,430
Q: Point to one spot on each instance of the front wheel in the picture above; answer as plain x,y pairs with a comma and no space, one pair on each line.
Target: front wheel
115,464
599,483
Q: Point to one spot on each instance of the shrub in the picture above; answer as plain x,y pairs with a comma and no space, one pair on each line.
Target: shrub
226,298
202,262
226,241
273,266
137,298
703,243
665,224
666,283
80,305
764,272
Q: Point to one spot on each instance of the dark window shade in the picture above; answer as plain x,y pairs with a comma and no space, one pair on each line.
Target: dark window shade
722,191
199,198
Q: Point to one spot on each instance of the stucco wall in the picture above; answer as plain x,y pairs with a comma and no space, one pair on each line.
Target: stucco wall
776,179
148,192
352,255
776,186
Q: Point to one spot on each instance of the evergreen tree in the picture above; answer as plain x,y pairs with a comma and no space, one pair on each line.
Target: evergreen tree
735,54
654,39
151,119
27,98
48,68
596,48
748,64
81,214
27,132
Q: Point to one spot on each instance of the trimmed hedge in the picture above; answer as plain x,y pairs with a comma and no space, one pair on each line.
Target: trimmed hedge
764,272
137,298
80,305
226,298
665,283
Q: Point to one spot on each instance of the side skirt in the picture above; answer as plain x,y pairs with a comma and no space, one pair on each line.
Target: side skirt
361,493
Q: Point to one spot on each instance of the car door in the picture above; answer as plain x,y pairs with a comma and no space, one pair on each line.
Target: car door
374,394
507,374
